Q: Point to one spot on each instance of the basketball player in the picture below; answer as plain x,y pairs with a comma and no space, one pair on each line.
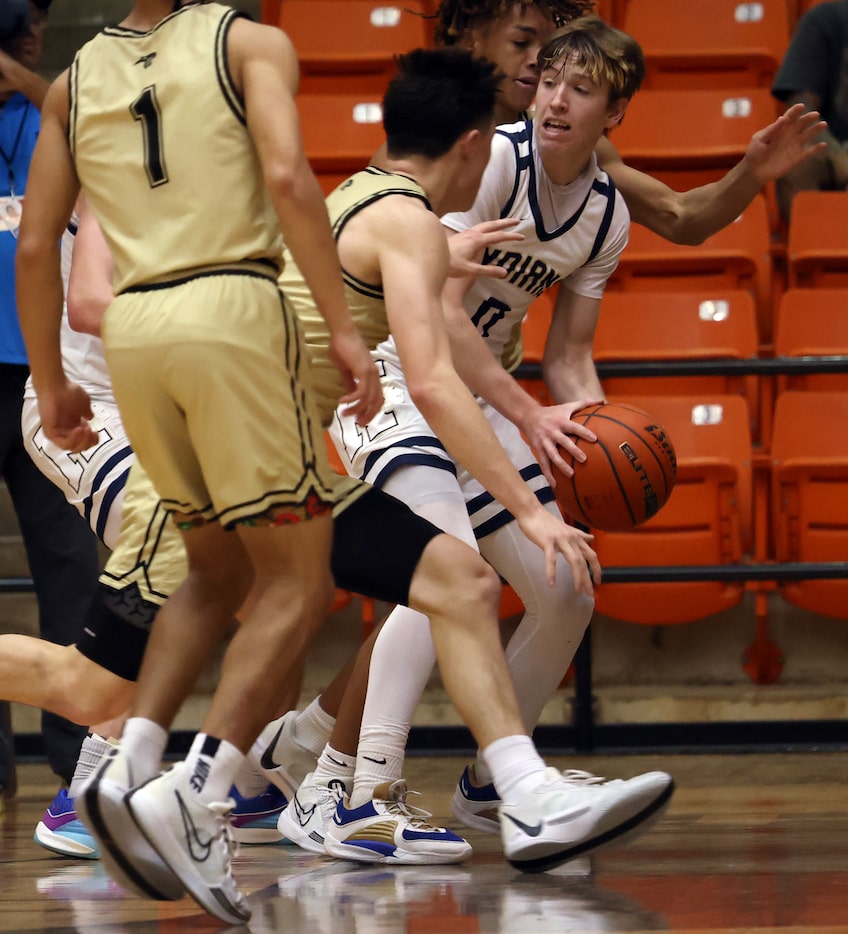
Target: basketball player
205,360
510,33
575,232
384,226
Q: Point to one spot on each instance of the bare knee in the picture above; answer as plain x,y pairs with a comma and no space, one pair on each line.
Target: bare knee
86,693
452,580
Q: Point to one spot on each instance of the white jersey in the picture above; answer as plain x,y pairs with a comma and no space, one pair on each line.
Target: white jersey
82,354
573,234
92,481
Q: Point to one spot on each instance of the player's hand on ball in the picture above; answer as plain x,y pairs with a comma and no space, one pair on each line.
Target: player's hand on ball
552,434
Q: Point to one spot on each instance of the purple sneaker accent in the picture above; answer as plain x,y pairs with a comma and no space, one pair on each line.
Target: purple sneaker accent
62,832
254,820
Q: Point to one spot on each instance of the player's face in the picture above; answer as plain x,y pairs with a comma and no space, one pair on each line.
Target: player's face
513,44
572,113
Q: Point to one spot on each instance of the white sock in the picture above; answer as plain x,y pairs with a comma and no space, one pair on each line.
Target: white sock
213,765
376,762
482,772
250,782
143,742
335,767
313,727
93,749
515,765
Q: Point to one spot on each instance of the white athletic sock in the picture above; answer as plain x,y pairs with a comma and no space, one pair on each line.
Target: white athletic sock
143,742
515,765
250,782
335,767
376,762
313,727
394,689
93,749
213,765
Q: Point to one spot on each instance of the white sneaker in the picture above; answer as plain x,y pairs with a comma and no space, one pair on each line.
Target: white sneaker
572,813
476,805
310,810
193,838
124,849
388,830
296,762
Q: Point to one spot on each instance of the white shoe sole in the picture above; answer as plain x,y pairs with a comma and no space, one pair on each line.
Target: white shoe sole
476,821
292,830
102,809
400,857
63,845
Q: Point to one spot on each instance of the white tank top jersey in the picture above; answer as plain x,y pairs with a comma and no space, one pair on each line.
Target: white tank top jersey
573,234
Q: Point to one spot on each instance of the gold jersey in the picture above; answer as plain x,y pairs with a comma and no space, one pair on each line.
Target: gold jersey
365,300
158,132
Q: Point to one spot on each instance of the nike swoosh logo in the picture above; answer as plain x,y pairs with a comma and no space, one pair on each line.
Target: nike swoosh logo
303,814
198,848
336,761
530,831
266,760
376,761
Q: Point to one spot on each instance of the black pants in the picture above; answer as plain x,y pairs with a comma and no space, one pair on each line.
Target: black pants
62,554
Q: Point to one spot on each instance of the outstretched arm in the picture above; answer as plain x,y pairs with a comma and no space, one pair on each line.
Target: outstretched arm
692,216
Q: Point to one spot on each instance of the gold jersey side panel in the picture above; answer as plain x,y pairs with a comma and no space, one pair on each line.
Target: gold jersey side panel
365,300
171,174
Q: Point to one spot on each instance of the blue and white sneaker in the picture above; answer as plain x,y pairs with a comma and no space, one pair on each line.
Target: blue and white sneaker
476,805
254,820
388,830
62,832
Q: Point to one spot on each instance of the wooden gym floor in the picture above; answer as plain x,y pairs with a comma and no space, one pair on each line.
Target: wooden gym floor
750,842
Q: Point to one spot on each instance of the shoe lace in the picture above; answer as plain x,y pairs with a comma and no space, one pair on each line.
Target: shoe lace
226,835
417,817
579,777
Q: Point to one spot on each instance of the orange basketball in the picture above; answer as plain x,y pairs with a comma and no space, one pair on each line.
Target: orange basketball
628,474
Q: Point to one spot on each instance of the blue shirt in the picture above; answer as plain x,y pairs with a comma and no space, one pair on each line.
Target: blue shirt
20,121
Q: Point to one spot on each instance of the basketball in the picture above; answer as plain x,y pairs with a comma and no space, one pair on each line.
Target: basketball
628,474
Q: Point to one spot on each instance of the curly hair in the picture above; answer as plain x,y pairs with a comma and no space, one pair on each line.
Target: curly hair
455,17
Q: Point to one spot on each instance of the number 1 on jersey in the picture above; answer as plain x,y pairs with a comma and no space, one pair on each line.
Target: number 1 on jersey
146,110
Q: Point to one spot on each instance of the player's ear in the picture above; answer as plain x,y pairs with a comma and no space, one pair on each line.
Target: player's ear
615,114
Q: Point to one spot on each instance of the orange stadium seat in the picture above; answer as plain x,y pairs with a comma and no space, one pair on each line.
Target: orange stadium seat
813,323
817,248
706,521
737,257
652,327
705,130
341,132
709,43
351,45
809,457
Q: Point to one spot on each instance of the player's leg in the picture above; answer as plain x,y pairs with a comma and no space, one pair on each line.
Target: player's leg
60,679
243,374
